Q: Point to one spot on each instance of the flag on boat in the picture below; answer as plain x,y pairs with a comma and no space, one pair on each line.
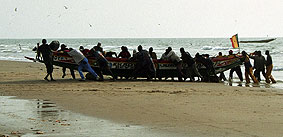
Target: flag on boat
235,42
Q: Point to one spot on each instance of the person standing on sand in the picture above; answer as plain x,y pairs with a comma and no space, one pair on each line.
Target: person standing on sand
222,75
46,52
248,68
170,55
62,50
102,63
259,63
269,67
237,68
82,61
144,65
192,69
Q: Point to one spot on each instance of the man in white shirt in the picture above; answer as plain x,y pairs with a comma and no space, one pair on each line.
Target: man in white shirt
82,61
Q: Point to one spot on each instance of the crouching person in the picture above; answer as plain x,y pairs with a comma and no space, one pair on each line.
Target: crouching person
82,61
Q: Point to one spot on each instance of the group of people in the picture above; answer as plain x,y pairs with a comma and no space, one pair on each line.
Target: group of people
145,65
261,65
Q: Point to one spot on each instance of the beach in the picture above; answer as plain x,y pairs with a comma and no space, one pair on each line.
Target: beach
185,108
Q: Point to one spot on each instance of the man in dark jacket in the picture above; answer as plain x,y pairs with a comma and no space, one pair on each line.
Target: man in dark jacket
259,63
192,69
46,52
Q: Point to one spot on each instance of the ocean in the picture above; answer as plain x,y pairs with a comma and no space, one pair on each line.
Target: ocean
16,49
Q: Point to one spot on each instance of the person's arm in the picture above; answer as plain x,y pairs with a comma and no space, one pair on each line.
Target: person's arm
118,55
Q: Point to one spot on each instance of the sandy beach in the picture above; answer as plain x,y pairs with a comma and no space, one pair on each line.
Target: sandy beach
186,108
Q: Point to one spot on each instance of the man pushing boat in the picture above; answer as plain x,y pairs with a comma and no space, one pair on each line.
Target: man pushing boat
82,61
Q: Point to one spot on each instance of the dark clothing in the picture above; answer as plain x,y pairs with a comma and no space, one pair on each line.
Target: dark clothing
192,70
85,52
65,50
100,59
153,55
259,62
207,62
144,65
247,64
259,65
110,54
99,49
268,60
102,63
238,71
187,58
71,70
46,52
124,54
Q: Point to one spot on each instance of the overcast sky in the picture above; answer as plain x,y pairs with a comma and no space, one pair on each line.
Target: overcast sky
140,18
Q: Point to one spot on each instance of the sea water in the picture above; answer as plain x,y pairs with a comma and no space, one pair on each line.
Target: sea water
16,49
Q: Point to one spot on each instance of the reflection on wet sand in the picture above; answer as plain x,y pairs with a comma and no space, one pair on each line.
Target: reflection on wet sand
29,118
243,84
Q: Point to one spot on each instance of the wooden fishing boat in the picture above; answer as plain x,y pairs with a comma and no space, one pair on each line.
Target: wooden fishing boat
257,41
123,67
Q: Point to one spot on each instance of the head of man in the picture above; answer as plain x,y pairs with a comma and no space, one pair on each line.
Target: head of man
139,48
44,41
244,53
267,52
169,49
230,52
182,50
98,44
150,49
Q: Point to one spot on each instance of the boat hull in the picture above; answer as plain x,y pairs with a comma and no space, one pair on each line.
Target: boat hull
124,68
258,41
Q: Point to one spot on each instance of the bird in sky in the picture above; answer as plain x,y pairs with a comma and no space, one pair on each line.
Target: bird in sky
66,7
90,25
16,9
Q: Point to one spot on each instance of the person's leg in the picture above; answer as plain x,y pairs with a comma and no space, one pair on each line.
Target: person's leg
64,72
51,77
51,71
263,73
109,71
268,74
88,67
195,70
46,77
73,73
247,76
256,74
252,75
80,68
180,73
271,77
99,73
239,72
190,73
231,73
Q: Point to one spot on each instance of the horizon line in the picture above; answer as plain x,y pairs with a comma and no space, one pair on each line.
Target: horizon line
138,37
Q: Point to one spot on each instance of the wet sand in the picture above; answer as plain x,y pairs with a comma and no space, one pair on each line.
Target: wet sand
184,108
